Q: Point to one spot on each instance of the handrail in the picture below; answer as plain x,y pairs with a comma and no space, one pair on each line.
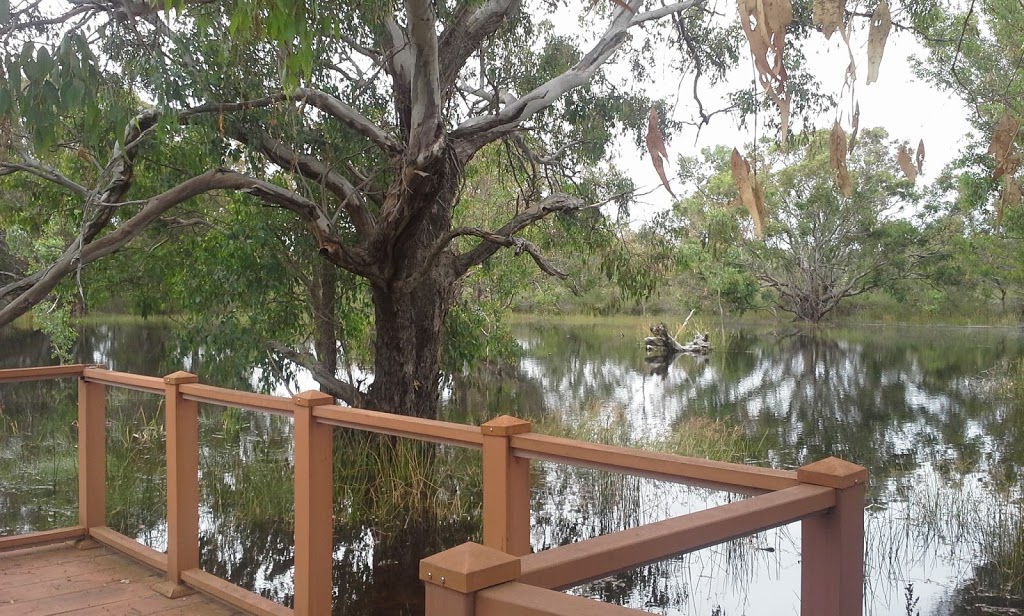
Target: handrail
517,599
15,375
221,396
578,563
502,576
444,432
127,380
654,465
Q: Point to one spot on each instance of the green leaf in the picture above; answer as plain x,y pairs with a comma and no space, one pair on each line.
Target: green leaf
44,61
72,93
5,11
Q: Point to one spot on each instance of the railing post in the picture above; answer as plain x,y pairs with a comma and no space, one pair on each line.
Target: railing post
832,543
182,427
92,454
452,578
506,488
314,507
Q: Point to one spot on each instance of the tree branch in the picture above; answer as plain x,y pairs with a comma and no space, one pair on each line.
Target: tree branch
492,241
426,135
331,384
476,132
465,36
314,169
322,101
82,251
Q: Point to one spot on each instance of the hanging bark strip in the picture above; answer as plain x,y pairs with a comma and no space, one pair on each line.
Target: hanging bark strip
837,159
878,33
906,163
751,193
656,146
827,15
1003,146
764,24
855,131
1009,197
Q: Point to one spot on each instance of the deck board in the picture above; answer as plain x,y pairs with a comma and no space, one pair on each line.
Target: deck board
58,579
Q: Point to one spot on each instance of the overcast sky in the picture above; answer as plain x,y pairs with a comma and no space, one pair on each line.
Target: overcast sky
908,108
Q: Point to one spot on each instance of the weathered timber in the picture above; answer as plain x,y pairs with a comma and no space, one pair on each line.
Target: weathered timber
663,343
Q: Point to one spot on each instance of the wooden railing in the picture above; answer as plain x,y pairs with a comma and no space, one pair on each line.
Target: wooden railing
500,577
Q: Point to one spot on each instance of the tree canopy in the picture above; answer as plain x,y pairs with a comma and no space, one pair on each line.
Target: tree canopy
313,167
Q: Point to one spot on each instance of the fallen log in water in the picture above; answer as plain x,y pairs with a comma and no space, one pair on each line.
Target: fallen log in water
662,342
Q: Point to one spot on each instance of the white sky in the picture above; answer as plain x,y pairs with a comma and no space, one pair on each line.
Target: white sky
908,108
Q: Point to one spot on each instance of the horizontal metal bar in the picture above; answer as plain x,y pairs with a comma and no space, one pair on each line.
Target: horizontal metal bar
578,563
727,476
429,430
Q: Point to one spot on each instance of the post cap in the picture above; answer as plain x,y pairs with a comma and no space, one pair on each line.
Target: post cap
313,398
505,425
832,473
469,567
180,378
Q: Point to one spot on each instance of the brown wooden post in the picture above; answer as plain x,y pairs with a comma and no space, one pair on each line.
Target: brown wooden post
314,507
92,454
452,578
182,426
832,543
506,488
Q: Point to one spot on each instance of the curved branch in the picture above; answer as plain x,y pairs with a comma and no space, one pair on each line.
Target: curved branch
37,286
330,383
321,100
463,38
492,241
311,168
476,132
487,246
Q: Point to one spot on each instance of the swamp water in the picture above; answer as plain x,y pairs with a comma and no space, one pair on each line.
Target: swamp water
917,406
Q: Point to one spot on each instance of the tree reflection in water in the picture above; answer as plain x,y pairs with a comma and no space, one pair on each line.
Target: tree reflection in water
911,404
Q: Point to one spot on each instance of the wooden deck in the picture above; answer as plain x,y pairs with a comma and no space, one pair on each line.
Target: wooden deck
59,579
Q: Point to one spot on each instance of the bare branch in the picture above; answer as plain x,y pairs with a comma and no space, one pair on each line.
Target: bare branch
46,172
492,241
321,100
82,251
314,169
476,132
464,37
330,383
426,128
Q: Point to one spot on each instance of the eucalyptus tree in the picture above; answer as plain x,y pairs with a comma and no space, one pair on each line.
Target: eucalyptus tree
820,246
359,121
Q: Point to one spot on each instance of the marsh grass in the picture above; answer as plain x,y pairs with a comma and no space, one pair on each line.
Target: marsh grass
965,521
396,482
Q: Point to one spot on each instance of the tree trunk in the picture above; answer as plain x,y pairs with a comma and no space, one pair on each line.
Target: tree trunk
407,351
325,302
410,313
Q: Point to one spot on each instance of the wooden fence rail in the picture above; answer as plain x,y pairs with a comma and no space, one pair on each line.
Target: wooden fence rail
499,578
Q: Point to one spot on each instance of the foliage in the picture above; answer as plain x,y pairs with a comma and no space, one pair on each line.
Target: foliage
820,246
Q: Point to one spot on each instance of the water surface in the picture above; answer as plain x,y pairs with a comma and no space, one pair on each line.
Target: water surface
917,406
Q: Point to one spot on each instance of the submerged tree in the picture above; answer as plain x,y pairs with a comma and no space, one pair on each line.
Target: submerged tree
358,121
820,246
